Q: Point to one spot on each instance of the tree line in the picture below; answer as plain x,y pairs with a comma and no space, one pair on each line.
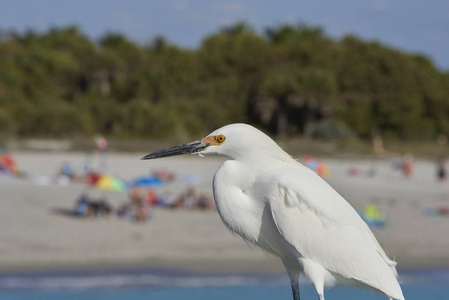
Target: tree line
290,80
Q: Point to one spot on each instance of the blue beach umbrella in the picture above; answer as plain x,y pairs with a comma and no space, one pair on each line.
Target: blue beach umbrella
147,181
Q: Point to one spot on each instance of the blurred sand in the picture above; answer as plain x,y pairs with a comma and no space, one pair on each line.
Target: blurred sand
37,231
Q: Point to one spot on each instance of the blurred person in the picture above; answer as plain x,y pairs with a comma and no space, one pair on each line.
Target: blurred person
204,202
141,211
82,204
378,147
169,200
102,144
99,208
441,169
67,170
164,174
138,207
407,165
373,216
8,163
152,197
124,210
190,199
87,207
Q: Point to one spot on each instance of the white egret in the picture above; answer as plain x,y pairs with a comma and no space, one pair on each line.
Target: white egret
273,201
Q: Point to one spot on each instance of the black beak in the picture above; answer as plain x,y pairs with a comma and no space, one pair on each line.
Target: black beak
193,147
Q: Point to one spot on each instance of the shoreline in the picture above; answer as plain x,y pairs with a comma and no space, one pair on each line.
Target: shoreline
231,268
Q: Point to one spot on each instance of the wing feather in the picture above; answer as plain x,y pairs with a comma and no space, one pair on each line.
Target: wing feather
323,227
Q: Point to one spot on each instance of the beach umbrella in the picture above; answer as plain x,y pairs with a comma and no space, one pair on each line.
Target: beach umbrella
147,181
317,165
111,183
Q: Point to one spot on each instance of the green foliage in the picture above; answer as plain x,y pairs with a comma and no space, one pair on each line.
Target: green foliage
287,80
291,80
7,124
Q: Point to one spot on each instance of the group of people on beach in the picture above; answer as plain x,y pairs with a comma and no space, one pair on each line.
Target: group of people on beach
134,210
139,207
406,167
88,207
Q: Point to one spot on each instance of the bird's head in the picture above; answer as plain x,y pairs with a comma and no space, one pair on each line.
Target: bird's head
236,141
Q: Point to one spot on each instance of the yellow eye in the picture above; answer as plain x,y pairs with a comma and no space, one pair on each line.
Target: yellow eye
220,138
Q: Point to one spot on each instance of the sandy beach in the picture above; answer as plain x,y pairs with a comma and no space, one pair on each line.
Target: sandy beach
38,232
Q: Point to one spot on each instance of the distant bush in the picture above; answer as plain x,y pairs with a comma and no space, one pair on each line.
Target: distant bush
331,129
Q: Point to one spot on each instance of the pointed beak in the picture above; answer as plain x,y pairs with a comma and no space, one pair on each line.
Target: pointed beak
189,148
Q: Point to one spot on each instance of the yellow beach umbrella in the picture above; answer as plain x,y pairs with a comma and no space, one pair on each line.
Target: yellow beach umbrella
111,183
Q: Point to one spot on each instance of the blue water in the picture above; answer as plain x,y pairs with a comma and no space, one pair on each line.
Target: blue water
167,284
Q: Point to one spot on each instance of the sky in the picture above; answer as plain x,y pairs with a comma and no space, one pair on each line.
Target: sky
414,26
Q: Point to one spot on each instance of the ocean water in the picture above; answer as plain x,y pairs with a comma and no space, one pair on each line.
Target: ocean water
162,284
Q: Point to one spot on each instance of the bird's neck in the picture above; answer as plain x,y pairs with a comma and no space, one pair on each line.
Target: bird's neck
240,213
242,173
258,163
